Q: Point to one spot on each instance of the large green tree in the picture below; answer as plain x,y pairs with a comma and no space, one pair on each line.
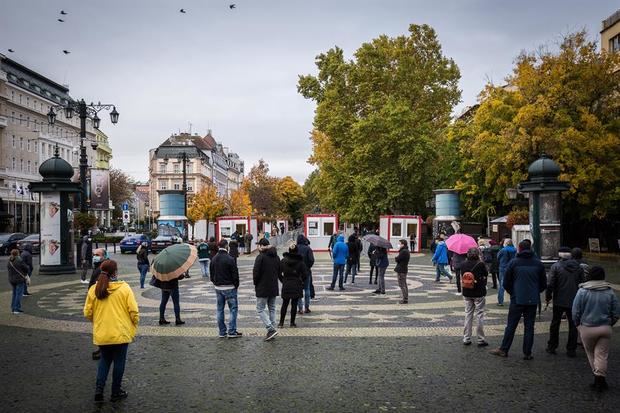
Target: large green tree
378,121
565,103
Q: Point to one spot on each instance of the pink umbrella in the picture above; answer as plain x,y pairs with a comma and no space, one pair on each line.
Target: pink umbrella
460,243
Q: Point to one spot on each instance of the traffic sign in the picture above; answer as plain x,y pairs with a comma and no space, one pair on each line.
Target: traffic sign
125,206
126,217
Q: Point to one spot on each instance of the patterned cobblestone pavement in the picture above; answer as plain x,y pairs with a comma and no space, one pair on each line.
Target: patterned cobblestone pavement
355,352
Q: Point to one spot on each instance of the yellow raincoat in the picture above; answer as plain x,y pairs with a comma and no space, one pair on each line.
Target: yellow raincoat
115,318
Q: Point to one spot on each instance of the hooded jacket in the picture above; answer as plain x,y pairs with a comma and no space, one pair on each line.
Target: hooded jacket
293,276
595,305
26,256
441,254
525,279
224,271
115,318
266,272
564,279
504,256
340,251
303,249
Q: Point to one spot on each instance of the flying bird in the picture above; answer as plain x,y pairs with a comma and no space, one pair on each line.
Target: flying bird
66,51
61,20
63,12
182,11
232,6
11,51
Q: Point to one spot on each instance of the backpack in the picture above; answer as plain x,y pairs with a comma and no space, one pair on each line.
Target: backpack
468,279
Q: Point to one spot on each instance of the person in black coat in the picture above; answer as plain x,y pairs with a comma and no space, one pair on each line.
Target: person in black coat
224,275
352,259
265,276
373,262
293,275
303,247
212,247
402,267
169,289
475,298
26,257
233,249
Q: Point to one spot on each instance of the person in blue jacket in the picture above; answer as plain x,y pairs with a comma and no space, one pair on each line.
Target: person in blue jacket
504,256
440,260
340,253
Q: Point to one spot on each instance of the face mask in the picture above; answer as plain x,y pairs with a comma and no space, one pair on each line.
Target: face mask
96,258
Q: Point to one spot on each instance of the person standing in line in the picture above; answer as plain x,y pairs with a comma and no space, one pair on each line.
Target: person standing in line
99,256
170,289
351,266
382,264
26,257
474,294
372,259
564,279
266,273
247,238
456,261
293,276
524,280
412,241
225,277
204,257
595,311
402,267
340,253
233,249
358,251
504,256
112,308
18,270
213,249
86,251
142,255
494,267
577,255
332,241
303,248
440,260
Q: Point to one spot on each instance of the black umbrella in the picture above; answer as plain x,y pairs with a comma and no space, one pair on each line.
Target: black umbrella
378,241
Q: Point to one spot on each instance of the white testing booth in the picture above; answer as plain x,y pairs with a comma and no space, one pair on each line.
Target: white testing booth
319,228
227,225
397,227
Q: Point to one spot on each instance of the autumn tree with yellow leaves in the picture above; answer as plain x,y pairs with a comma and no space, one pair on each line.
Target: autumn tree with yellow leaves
207,205
238,202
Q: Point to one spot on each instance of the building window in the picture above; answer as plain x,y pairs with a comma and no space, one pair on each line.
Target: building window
176,168
614,44
21,165
162,185
20,98
13,164
13,141
190,188
29,167
20,119
177,186
27,101
162,168
36,147
397,229
21,142
28,145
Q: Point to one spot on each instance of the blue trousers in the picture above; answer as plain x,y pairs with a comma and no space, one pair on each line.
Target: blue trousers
114,353
515,312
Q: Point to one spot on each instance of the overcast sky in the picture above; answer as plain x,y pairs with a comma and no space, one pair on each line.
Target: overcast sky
235,71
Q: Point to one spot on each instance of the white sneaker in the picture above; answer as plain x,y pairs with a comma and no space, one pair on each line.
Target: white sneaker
84,281
17,312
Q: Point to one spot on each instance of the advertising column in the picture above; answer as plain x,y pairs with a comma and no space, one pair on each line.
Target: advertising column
50,228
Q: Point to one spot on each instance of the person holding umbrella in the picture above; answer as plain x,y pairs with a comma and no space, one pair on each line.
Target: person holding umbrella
459,244
112,308
170,266
381,260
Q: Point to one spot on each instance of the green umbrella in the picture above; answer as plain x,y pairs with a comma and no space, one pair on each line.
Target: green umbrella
173,261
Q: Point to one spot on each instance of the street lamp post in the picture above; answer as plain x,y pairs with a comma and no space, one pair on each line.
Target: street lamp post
183,158
84,111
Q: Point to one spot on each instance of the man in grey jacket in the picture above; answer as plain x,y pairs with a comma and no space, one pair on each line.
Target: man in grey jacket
564,279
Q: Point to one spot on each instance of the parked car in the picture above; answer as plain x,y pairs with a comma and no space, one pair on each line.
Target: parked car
131,242
163,241
8,242
33,240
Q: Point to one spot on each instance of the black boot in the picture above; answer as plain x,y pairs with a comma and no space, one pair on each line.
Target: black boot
179,322
163,322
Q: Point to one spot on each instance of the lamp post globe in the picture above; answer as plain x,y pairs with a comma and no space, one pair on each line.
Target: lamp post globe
96,121
114,116
69,111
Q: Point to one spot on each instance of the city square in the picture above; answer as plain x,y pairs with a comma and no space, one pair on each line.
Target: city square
196,195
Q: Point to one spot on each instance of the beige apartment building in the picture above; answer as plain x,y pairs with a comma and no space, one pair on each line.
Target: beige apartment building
209,163
26,140
610,33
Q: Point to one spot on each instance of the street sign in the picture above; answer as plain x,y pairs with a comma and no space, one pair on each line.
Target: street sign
125,206
126,217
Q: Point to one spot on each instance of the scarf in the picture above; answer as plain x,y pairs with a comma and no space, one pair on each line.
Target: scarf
595,285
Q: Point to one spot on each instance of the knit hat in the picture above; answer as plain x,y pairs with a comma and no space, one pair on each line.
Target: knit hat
263,242
597,273
564,249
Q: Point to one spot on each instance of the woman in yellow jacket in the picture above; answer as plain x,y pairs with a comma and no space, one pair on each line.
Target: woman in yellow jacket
111,306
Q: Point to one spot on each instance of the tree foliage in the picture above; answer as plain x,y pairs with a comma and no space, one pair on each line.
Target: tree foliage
262,189
291,197
377,123
564,103
121,189
238,203
206,204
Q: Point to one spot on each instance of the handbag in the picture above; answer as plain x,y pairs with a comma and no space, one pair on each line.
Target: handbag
153,281
25,277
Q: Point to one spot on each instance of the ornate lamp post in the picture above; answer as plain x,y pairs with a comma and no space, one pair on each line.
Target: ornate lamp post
84,111
545,206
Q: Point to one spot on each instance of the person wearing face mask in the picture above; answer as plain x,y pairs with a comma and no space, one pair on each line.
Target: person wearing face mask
99,256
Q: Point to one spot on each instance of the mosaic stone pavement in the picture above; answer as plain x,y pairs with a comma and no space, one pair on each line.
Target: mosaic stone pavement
434,308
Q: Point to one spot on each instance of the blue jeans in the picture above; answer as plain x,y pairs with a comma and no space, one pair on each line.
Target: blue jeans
306,300
441,270
500,290
165,295
266,310
338,273
352,269
143,268
18,293
514,315
230,297
114,353
204,267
